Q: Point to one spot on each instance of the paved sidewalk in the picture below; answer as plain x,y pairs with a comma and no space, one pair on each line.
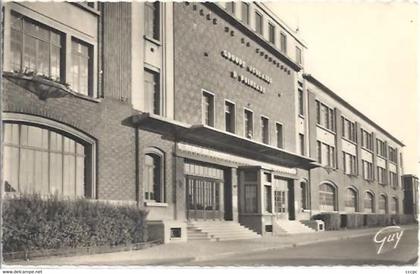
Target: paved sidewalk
201,250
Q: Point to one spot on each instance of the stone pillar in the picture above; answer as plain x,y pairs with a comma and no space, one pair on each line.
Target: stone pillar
235,206
338,143
375,159
312,125
359,150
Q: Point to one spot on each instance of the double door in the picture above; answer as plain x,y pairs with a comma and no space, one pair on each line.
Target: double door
203,198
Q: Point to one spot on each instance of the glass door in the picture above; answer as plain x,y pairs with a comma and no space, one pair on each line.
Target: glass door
203,198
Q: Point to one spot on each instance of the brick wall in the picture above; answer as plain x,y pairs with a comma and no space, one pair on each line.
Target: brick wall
200,65
103,121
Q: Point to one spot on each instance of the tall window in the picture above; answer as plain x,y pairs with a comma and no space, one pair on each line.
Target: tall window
351,200
283,42
300,98
367,141
279,135
380,148
326,154
152,97
81,67
393,179
350,164
301,144
304,195
208,109
392,154
153,177
267,196
299,56
325,116
35,48
369,203
265,132
367,169
251,199
271,33
258,23
249,124
152,19
382,204
349,129
394,205
229,117
327,197
382,176
245,12
39,160
230,7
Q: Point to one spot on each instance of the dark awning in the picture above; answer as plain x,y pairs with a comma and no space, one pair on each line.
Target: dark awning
224,141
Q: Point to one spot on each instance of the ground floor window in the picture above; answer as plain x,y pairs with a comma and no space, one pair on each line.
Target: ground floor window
44,161
267,202
369,203
153,174
382,204
304,195
351,200
394,205
327,197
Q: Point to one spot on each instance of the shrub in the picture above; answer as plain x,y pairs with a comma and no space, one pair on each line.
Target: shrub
332,220
32,223
354,220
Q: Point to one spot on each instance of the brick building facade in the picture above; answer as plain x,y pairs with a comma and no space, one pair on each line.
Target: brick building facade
195,111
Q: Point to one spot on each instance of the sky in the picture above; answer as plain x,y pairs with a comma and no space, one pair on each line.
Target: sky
366,53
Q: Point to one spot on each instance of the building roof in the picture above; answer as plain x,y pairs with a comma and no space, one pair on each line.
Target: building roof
346,104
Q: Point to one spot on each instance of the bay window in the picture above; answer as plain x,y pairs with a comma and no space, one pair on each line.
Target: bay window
35,48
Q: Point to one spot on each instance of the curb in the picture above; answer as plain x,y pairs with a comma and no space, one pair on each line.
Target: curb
290,245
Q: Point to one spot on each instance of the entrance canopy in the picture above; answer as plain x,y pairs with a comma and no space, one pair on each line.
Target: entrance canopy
211,137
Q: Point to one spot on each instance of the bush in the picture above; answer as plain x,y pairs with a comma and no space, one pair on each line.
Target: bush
332,220
32,223
354,220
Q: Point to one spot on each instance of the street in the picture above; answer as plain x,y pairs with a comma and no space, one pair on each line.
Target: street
356,251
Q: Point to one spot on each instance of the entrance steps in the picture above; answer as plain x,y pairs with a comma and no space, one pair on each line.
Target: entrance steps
287,227
219,231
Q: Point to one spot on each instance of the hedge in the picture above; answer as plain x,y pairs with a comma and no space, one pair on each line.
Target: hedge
33,223
335,221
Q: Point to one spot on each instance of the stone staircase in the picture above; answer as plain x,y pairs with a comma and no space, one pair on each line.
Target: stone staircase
218,231
287,227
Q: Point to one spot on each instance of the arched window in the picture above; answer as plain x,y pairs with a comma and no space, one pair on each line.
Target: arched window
304,194
45,161
394,205
327,197
351,200
153,174
382,204
369,202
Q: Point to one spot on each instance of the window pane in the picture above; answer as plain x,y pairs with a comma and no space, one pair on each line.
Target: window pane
16,49
29,57
69,175
11,162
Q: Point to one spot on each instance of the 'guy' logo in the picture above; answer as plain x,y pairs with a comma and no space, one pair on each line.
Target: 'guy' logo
389,234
